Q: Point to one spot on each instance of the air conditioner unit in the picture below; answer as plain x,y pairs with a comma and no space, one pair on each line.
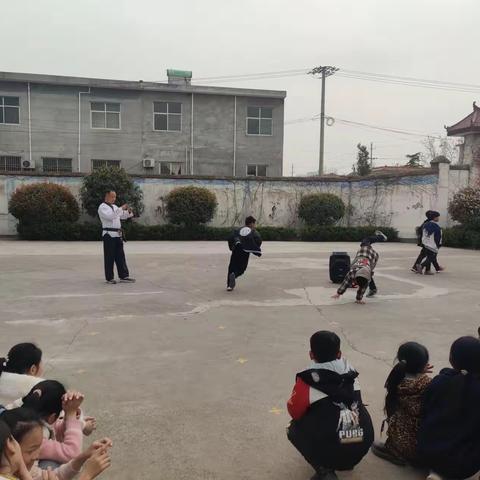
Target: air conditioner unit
148,163
28,164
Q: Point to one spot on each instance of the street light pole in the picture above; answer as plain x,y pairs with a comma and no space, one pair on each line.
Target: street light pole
324,71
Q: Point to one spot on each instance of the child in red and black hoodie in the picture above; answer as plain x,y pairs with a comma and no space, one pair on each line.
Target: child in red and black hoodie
331,427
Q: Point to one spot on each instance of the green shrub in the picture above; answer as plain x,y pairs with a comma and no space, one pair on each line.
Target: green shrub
44,211
190,205
321,209
279,234
461,237
465,206
99,181
344,234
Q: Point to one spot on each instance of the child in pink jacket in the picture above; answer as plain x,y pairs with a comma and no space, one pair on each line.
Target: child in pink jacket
63,439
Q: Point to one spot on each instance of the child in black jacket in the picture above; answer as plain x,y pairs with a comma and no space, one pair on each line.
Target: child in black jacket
448,437
331,427
242,243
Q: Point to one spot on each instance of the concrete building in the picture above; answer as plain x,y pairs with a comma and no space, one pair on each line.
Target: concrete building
69,124
469,151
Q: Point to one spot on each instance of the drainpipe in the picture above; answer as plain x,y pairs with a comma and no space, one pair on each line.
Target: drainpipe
29,124
191,139
80,125
234,135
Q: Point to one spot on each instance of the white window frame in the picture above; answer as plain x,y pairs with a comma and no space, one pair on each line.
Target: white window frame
167,114
106,163
256,165
259,122
57,159
2,106
105,112
182,165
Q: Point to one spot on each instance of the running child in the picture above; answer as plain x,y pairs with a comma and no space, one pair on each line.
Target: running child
432,241
242,243
405,386
331,427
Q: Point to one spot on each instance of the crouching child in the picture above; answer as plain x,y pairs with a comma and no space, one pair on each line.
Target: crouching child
331,427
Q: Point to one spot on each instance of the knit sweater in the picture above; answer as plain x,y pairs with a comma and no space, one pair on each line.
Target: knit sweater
63,442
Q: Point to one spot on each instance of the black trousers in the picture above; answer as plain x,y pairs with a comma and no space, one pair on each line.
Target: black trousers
113,254
238,262
431,259
421,256
372,285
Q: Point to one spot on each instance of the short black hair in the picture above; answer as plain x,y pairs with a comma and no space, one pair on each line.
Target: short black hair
22,357
249,220
325,346
109,190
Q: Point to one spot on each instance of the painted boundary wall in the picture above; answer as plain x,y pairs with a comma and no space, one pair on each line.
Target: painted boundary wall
396,201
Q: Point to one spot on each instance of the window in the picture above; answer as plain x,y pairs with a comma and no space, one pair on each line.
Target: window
167,116
9,110
259,121
171,168
51,164
10,164
256,170
96,164
105,115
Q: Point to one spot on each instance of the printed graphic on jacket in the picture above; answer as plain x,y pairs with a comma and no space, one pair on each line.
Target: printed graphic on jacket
247,239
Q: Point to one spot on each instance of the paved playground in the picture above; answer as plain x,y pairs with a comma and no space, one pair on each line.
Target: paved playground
190,381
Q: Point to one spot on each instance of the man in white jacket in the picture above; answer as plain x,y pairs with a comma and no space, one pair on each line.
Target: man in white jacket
111,217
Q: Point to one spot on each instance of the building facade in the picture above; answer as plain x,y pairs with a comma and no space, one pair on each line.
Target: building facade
69,124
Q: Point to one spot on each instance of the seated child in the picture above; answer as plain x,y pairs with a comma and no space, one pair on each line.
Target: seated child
12,465
20,372
63,438
331,427
26,428
405,386
362,268
448,437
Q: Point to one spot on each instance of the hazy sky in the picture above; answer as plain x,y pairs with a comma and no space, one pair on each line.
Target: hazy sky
140,39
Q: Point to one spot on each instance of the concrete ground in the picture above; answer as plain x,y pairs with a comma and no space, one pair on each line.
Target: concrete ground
190,381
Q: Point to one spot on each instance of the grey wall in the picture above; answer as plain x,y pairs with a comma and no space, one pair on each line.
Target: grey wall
54,123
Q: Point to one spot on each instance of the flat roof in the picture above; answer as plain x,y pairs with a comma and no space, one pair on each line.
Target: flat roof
136,85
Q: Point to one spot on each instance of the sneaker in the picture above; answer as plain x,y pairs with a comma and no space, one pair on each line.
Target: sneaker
428,272
231,282
380,450
111,282
441,269
127,280
371,293
419,269
414,269
434,476
381,234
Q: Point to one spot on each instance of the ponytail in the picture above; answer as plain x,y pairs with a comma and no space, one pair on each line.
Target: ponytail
21,358
412,359
396,377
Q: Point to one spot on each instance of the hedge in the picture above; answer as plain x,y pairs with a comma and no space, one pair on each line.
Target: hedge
344,234
461,237
134,231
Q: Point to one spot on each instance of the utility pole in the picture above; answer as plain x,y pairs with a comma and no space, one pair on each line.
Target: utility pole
292,169
371,154
324,71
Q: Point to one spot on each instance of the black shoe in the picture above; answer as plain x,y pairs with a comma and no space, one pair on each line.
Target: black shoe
111,282
381,451
127,280
371,293
231,282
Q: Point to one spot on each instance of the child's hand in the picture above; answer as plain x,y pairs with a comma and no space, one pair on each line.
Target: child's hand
71,402
90,425
336,296
49,474
104,444
96,464
428,368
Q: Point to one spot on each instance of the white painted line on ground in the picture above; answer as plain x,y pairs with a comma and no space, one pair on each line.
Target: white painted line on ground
80,295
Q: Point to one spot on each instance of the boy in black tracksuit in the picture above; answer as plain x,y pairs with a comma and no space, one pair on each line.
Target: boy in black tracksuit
331,427
242,242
